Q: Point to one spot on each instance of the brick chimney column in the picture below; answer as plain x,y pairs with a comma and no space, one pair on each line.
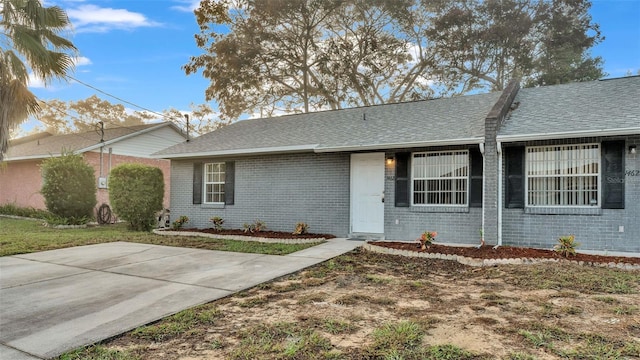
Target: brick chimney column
491,126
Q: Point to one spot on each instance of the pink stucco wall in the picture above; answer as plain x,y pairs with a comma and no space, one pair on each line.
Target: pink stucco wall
20,181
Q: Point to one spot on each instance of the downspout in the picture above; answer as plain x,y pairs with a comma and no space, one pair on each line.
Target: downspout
110,153
101,132
101,167
483,196
499,149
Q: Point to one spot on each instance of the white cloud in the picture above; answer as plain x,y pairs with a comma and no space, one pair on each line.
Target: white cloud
35,82
92,18
81,61
188,5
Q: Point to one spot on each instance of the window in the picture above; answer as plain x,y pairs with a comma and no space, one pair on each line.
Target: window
214,181
440,178
563,175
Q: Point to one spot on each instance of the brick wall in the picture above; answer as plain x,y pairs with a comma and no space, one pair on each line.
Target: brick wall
314,188
492,124
279,189
282,190
93,159
20,184
20,181
456,225
598,230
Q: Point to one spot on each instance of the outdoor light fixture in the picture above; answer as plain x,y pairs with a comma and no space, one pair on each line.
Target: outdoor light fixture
632,149
390,160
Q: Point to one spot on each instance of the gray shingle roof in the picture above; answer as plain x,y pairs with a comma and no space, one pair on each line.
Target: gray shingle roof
456,120
40,145
578,108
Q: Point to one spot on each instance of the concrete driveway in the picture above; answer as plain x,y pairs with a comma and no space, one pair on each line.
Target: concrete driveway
55,301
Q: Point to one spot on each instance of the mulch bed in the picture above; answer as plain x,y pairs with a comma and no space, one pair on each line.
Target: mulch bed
503,252
262,234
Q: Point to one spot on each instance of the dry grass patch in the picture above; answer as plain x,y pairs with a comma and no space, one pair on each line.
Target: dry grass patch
372,306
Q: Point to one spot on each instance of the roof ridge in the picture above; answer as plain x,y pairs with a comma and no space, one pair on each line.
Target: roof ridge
620,77
29,138
372,106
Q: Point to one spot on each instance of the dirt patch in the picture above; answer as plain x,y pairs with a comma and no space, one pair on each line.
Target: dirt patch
339,309
503,252
264,234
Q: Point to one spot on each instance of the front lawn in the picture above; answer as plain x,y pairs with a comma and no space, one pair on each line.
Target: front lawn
364,305
26,236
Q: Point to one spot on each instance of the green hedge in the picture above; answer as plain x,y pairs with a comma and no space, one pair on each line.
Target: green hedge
136,192
69,188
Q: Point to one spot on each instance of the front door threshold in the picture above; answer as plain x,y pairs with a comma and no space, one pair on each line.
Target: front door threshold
366,236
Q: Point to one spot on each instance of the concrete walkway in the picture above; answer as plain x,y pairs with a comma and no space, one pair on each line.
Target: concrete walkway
55,301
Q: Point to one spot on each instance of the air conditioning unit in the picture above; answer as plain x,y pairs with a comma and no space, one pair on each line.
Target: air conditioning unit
102,183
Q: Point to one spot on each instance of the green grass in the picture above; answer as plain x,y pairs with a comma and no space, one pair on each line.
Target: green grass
403,340
583,279
376,279
178,324
280,341
607,299
98,352
29,212
520,356
333,326
493,299
399,336
446,352
253,302
559,342
625,310
27,236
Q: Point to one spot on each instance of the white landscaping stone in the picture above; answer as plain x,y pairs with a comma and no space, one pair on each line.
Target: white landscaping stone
469,261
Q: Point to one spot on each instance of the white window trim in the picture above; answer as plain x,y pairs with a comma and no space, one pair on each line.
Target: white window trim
468,178
205,183
598,180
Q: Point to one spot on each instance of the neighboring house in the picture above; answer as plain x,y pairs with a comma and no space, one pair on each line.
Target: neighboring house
21,180
522,167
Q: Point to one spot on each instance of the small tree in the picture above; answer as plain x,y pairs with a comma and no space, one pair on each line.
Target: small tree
69,188
136,192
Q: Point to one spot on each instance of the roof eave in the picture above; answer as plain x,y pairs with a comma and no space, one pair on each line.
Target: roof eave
569,134
133,134
240,152
31,157
463,141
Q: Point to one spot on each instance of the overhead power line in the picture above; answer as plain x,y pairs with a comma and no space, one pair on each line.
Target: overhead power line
115,125
122,100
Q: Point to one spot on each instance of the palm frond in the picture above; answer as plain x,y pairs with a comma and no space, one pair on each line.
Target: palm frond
31,35
16,104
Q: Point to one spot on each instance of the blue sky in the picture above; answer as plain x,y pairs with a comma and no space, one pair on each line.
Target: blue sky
135,49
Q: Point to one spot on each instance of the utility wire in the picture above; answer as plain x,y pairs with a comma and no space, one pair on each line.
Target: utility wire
115,125
121,99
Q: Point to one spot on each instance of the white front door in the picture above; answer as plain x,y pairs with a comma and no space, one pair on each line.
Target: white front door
367,193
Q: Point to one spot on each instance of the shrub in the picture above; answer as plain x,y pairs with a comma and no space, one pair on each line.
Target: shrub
427,238
178,224
69,188
217,222
301,229
566,245
259,225
135,193
248,228
30,212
